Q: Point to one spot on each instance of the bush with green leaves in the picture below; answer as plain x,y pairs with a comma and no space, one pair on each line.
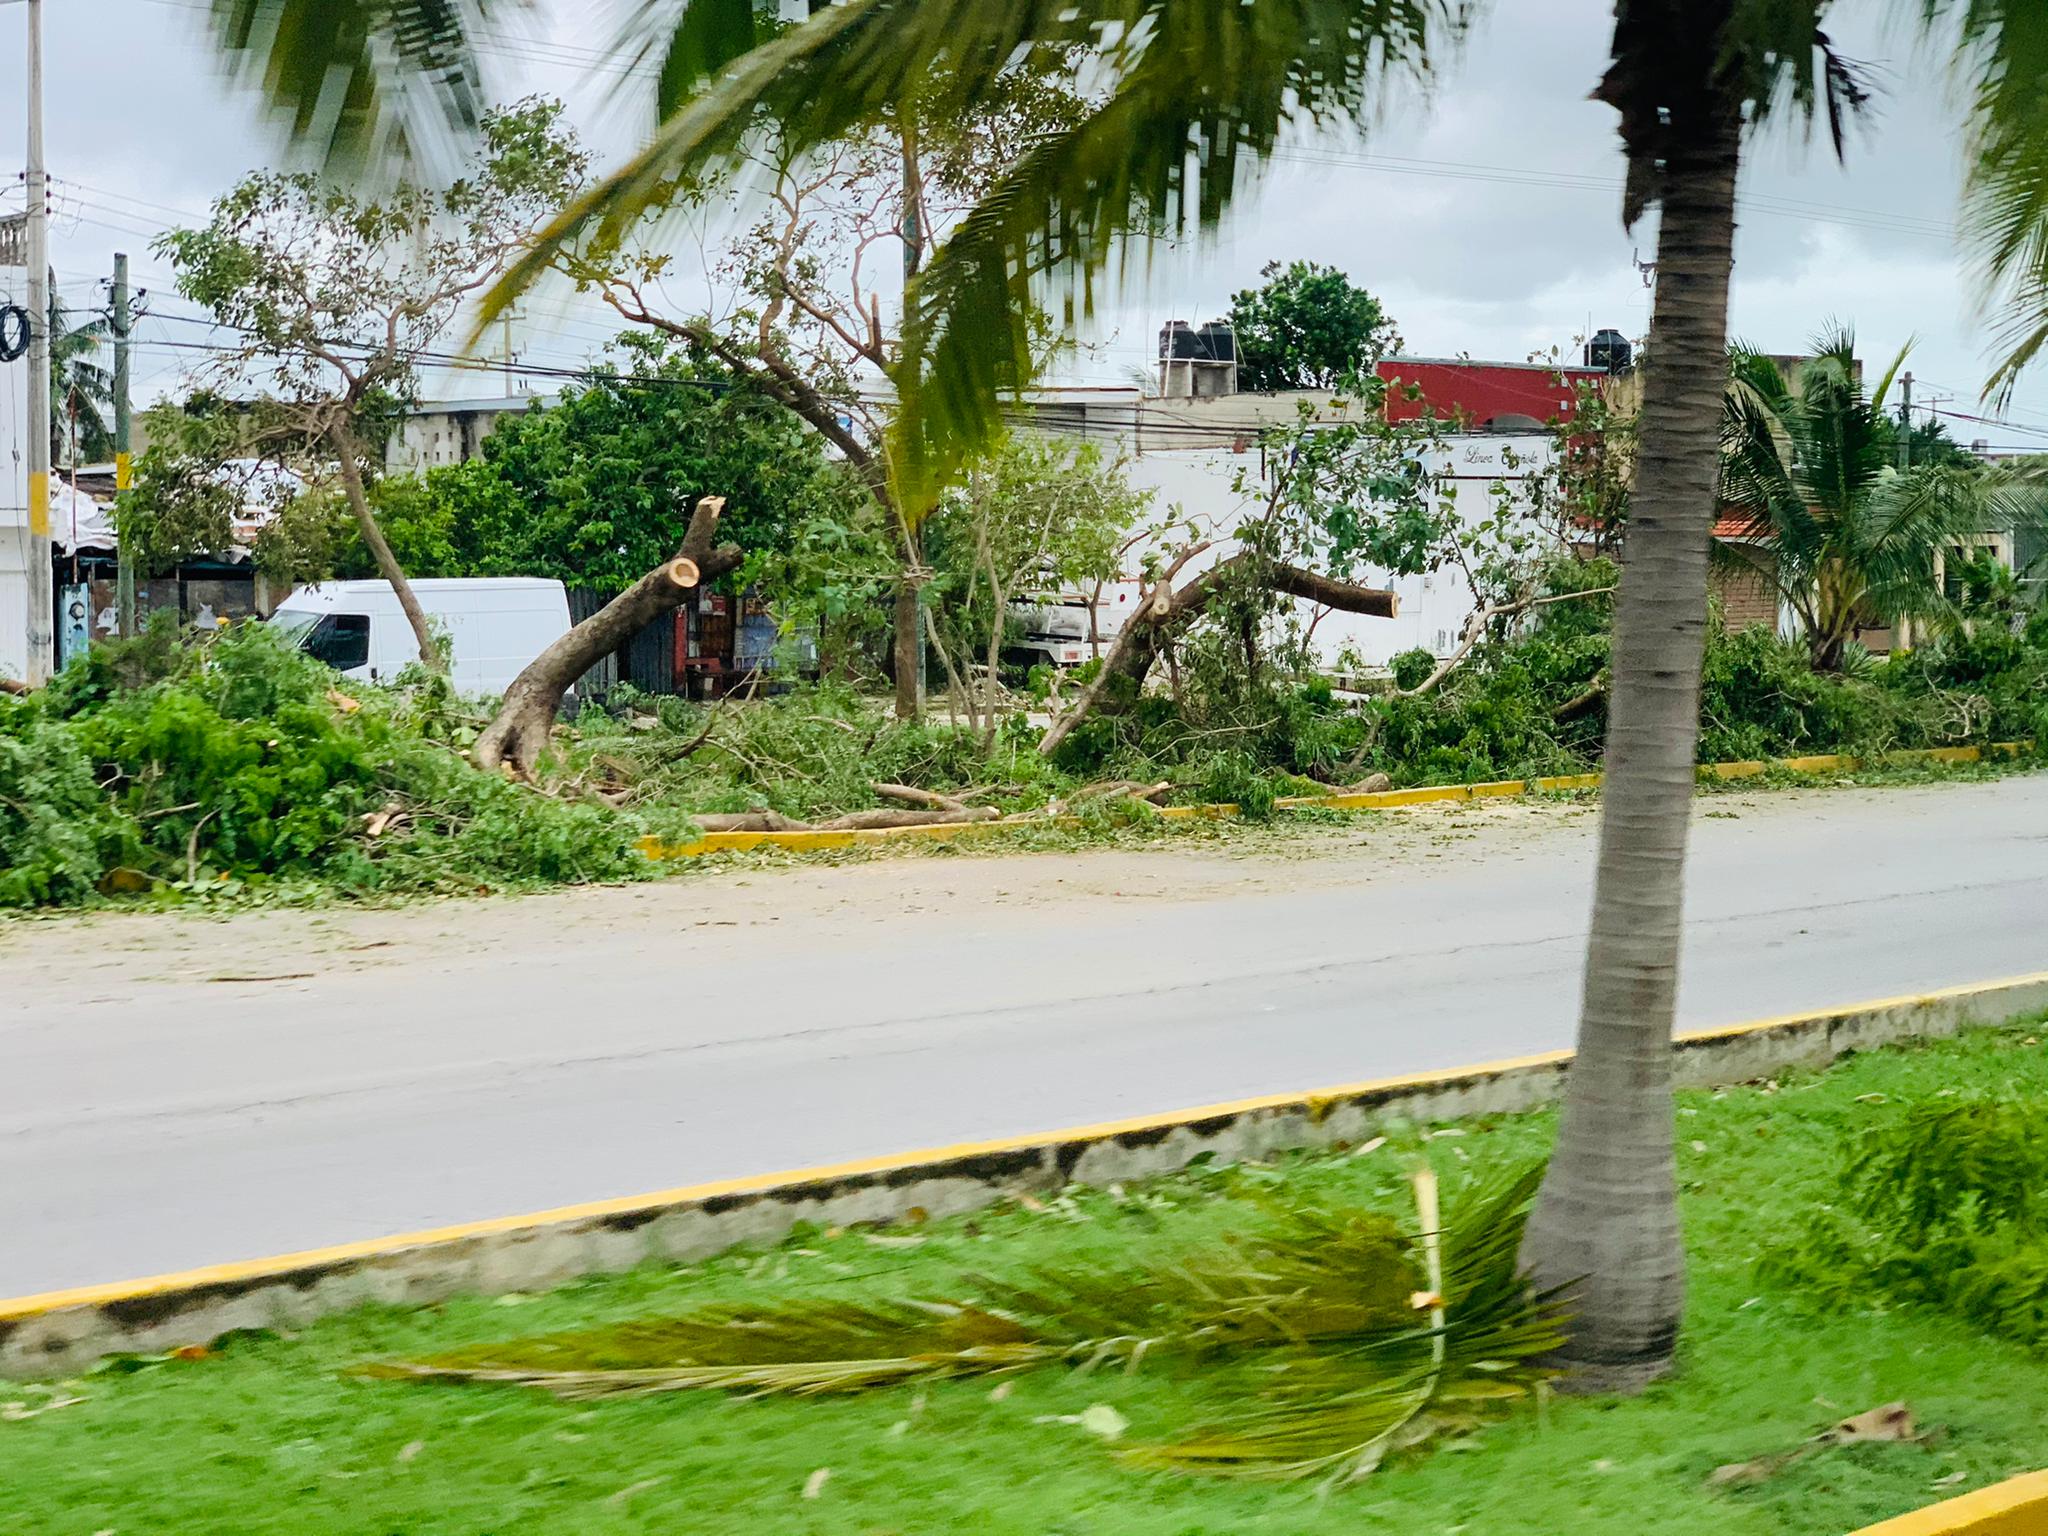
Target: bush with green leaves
1944,1205
54,822
233,761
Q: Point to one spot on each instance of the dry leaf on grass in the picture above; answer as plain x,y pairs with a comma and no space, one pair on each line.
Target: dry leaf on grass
1890,1422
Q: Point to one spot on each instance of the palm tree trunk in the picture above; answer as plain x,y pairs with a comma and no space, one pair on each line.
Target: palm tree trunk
1605,1228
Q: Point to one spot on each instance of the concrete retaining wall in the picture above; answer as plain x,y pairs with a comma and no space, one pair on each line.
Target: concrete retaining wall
61,1332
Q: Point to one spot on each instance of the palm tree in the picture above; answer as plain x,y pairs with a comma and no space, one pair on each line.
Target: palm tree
81,388
1808,466
1191,97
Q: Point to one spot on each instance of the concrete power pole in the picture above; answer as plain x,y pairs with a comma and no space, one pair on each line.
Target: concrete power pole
42,600
1906,421
124,570
913,258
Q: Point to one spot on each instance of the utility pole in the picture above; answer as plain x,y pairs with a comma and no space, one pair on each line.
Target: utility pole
42,599
913,258
1902,633
1906,421
124,570
511,375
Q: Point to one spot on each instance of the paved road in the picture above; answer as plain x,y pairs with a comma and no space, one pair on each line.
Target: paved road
157,1115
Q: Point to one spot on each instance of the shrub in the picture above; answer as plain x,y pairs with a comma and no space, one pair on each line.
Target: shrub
55,827
1942,1205
235,759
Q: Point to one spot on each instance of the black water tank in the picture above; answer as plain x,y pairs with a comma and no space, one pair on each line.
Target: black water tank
1610,352
1216,342
1177,340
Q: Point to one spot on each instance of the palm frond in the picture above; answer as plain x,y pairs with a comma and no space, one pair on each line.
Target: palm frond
1327,1304
2000,50
360,81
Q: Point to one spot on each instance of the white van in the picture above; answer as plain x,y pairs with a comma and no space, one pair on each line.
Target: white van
495,626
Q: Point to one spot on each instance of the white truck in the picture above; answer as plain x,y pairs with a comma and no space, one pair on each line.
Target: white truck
495,626
1056,623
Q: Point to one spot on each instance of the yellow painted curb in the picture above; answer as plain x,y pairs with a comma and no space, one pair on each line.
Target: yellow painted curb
1373,800
2016,1507
1314,1103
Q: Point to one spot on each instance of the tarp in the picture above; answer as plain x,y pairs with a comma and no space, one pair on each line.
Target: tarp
78,522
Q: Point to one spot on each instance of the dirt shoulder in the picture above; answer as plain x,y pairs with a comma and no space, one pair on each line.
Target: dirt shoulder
40,957
709,898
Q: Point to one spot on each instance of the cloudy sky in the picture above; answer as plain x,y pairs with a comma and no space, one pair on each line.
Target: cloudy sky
1485,219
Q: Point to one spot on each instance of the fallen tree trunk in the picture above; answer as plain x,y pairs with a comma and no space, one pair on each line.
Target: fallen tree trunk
862,821
1118,789
930,799
852,821
514,739
750,821
1164,613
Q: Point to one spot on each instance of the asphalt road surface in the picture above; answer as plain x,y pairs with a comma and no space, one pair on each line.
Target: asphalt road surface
176,1092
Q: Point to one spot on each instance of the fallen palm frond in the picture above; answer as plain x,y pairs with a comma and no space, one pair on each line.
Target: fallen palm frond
1368,1339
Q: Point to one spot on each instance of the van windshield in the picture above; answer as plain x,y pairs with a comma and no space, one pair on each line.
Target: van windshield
291,624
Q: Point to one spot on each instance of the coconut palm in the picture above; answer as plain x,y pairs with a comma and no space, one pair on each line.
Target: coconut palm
1808,466
1190,99
81,388
2002,54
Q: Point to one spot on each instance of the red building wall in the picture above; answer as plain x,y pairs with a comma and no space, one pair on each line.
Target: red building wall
1478,394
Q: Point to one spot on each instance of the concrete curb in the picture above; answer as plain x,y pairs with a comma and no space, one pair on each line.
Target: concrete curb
60,1332
1375,800
2016,1507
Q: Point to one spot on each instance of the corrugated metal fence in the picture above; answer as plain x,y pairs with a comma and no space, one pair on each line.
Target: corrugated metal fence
647,661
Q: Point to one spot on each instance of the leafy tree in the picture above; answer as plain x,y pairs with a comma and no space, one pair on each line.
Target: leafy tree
181,502
1035,518
810,329
336,298
1808,464
1307,326
594,489
1928,441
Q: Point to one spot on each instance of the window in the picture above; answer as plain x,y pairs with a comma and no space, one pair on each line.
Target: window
342,640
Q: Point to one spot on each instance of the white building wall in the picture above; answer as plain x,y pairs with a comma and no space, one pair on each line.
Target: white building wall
13,495
1213,487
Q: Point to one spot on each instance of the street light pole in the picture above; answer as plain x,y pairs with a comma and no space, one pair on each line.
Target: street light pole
42,603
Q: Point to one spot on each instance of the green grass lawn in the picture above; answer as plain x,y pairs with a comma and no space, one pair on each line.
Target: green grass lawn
272,1435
